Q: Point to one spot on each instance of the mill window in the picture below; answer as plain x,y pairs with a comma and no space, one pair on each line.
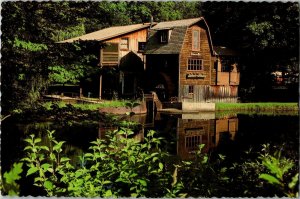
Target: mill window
195,64
191,89
124,45
141,46
164,36
196,40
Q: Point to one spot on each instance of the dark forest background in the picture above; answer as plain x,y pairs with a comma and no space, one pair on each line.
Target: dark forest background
265,34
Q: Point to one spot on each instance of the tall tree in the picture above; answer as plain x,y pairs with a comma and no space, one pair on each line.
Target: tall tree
266,34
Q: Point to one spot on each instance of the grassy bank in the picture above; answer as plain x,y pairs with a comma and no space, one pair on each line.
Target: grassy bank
89,106
260,106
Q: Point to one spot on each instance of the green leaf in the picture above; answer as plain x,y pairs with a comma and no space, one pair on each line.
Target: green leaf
294,181
45,148
175,176
31,171
37,140
45,166
154,159
28,140
108,193
48,185
64,159
161,166
88,155
142,182
269,178
58,146
204,160
37,179
106,182
12,193
26,159
52,156
133,175
14,173
28,148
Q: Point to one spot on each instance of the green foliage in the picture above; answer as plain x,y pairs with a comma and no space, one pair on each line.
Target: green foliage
209,176
268,175
46,162
279,173
264,31
69,32
116,166
59,74
120,166
131,104
27,45
9,183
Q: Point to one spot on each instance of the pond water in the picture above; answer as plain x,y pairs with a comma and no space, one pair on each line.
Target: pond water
229,134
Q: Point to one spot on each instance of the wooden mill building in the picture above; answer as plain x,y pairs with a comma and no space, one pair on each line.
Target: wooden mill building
180,56
176,59
121,58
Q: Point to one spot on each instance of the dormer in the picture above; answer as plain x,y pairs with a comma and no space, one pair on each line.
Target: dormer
164,35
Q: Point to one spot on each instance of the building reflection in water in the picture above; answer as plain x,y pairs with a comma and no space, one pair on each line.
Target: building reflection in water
191,130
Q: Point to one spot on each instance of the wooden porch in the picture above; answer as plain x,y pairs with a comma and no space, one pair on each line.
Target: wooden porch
228,78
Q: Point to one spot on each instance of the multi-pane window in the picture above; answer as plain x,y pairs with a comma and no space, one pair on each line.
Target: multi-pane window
195,64
124,45
196,40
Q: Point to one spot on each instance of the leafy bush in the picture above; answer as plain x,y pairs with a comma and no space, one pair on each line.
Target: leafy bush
279,173
207,177
269,174
120,166
116,166
8,184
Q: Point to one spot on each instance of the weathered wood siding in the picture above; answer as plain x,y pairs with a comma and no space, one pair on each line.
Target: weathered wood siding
204,53
214,66
209,93
133,38
201,85
228,78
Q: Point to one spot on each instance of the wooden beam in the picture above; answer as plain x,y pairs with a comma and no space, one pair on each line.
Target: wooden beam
100,87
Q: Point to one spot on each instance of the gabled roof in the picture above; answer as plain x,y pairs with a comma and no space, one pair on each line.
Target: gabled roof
108,33
175,43
176,23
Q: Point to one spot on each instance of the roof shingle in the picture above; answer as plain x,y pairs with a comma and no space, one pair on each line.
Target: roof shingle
172,47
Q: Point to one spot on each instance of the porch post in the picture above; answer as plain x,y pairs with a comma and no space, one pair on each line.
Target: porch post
100,87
